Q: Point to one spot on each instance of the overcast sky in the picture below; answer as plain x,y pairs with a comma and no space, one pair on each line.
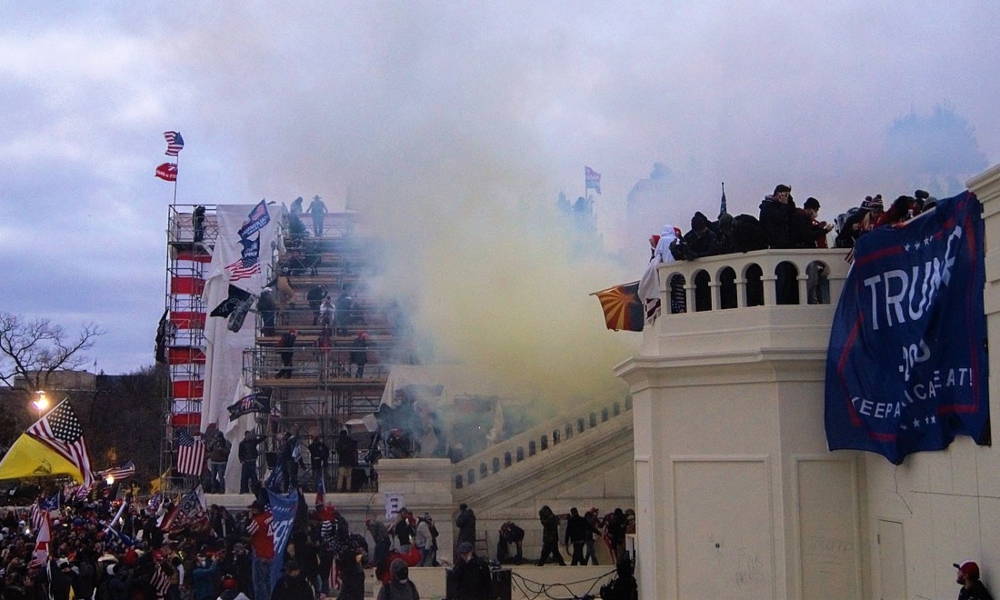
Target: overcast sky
458,122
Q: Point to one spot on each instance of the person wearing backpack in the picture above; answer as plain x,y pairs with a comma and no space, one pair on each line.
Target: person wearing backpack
425,539
400,588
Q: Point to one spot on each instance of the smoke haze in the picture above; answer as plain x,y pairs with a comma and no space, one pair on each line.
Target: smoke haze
453,128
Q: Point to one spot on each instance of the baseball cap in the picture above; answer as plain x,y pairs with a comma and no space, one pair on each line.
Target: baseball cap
968,568
464,548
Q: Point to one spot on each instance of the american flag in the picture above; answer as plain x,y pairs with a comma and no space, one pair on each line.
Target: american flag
190,453
61,430
243,268
41,554
592,179
119,473
174,142
160,581
37,516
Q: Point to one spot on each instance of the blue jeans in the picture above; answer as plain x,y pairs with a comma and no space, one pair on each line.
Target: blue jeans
217,470
261,577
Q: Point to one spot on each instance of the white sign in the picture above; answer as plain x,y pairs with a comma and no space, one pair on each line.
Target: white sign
393,502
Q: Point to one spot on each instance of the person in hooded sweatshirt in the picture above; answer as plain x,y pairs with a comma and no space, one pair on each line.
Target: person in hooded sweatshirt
401,588
293,585
649,285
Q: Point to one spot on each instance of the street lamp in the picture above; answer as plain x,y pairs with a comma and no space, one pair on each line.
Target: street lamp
41,402
110,479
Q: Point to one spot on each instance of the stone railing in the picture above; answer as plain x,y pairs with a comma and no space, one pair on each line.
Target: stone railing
531,443
759,278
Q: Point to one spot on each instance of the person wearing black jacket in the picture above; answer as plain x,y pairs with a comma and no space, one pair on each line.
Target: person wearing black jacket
578,531
347,459
776,212
293,585
319,455
471,578
550,536
776,217
286,343
247,451
805,231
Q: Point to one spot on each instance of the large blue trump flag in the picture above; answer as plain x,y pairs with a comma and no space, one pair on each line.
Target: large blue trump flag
906,368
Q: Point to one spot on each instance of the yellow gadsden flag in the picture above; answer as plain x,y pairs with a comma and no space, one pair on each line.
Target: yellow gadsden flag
29,457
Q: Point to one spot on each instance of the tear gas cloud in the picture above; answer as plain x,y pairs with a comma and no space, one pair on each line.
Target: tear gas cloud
456,186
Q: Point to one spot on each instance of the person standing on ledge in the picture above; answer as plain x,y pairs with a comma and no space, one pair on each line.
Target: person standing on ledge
317,209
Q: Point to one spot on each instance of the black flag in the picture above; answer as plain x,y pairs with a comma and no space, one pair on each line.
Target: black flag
254,402
236,297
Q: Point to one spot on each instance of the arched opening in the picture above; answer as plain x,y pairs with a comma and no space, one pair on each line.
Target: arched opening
545,442
786,283
507,461
727,288
532,449
677,296
754,277
817,283
458,482
520,453
702,292
496,464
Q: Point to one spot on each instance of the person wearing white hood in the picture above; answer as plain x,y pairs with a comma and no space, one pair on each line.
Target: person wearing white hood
649,285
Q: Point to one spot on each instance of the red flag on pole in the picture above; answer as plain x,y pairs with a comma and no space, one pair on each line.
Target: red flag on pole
167,172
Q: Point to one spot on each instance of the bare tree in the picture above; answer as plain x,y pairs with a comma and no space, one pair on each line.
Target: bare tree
33,355
30,351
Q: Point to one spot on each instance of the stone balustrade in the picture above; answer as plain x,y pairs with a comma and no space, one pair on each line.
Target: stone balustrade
531,443
746,280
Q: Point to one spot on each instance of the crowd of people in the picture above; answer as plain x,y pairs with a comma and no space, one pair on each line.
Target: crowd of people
127,549
780,224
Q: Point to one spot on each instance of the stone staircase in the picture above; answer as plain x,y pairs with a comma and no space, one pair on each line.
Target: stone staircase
553,456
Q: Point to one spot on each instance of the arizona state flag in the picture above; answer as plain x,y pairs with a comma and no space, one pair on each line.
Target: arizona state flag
29,457
622,307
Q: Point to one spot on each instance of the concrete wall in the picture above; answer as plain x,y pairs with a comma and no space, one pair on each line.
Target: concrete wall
737,496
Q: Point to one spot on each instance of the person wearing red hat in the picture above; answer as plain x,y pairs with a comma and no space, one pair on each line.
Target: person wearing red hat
231,589
968,578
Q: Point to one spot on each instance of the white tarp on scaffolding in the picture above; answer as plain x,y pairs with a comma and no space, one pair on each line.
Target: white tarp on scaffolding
454,381
246,242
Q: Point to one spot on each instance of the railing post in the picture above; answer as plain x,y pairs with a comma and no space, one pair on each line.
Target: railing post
741,292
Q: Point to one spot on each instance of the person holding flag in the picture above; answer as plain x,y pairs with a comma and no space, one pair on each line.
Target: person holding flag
262,548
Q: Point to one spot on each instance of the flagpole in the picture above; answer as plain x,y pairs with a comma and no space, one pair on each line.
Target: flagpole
177,174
